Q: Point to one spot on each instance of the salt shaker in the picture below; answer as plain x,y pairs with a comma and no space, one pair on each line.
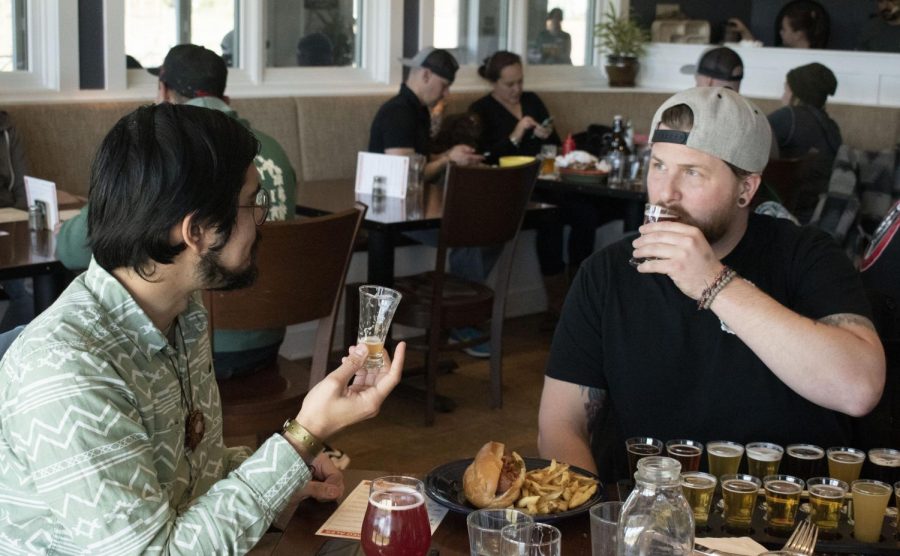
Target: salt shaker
656,519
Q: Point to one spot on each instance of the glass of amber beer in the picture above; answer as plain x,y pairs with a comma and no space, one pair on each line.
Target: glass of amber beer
687,452
698,490
739,498
640,447
782,501
870,499
724,457
845,463
763,458
377,305
826,498
653,213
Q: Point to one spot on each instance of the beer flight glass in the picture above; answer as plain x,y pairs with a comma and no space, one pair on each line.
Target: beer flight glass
845,463
640,447
804,460
686,452
698,489
377,305
396,521
763,458
653,213
739,499
724,457
782,501
826,498
870,500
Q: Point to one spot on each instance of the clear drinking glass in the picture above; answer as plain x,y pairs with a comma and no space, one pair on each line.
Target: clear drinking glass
377,305
763,458
739,497
548,158
724,457
640,447
484,529
604,528
396,521
653,213
699,489
782,501
687,452
826,498
530,539
870,499
845,463
804,460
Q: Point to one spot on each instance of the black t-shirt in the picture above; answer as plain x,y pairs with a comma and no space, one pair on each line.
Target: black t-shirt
672,371
498,124
402,122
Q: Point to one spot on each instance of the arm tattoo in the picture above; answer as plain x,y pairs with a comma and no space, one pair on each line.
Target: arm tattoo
596,401
847,318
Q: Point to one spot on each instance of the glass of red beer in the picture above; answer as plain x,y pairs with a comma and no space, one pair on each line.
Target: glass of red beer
653,213
396,521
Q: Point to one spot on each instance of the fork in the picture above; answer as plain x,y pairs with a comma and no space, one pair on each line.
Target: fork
803,540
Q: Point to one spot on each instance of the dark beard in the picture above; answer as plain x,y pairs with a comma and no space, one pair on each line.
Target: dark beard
713,230
218,278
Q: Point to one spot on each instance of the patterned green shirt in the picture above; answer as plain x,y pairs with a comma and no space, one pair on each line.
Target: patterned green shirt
93,402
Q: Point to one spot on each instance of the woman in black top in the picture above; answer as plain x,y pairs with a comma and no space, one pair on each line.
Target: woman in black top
511,118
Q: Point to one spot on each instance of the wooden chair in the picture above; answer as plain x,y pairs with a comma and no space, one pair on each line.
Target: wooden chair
482,206
302,268
784,176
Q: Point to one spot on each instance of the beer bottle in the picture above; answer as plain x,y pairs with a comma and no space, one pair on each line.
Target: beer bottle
619,142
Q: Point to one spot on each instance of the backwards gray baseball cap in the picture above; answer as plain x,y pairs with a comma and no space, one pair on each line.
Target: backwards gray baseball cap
437,60
726,126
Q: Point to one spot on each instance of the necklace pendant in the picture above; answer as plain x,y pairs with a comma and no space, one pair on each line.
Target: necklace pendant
195,427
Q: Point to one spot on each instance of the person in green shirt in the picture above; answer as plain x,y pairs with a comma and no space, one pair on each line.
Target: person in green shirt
196,76
110,418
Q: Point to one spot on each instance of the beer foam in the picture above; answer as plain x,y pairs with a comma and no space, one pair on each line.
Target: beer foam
885,458
739,486
388,503
826,491
805,451
725,450
764,453
784,487
846,457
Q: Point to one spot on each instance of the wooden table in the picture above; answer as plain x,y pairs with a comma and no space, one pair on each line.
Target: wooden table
631,201
388,217
27,253
450,539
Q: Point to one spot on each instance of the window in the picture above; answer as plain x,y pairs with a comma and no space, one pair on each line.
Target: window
13,43
313,33
471,30
152,27
561,32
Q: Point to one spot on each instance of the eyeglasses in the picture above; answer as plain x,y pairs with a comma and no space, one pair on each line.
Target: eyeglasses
260,205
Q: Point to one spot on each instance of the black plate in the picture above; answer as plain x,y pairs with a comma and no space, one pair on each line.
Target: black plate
444,485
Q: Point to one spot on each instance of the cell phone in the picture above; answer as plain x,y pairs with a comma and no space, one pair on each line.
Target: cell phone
547,121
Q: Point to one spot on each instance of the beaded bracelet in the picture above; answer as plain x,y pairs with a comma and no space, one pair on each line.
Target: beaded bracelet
724,276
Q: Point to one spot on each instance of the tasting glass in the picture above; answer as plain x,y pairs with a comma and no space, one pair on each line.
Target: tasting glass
739,493
699,489
845,463
870,500
763,458
604,527
484,529
826,498
377,305
530,539
396,520
724,457
653,213
782,501
640,447
687,452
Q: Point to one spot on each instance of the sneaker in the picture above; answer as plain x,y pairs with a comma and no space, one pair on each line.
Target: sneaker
481,351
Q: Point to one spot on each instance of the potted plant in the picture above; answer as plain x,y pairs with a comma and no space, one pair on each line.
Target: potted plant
624,41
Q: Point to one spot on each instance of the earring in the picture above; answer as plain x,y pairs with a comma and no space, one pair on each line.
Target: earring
742,202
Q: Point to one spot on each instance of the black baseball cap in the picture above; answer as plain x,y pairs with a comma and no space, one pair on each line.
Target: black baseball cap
193,71
437,60
718,63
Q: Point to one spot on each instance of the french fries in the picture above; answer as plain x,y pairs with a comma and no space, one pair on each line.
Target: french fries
554,489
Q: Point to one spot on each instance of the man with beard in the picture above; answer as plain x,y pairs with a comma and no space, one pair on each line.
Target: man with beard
110,419
197,76
882,34
737,326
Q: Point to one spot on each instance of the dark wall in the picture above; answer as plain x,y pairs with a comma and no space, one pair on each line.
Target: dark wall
847,17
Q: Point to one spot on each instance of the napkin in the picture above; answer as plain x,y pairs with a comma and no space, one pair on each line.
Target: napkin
735,545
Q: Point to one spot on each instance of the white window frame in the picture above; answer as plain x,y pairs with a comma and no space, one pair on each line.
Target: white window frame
52,53
379,71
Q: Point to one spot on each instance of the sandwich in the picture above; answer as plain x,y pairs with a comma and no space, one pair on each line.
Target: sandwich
495,477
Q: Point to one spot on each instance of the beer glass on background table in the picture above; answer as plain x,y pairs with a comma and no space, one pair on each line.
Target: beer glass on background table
763,458
377,305
724,457
530,539
687,452
653,213
739,493
782,501
698,489
845,463
396,520
804,461
870,499
826,498
484,529
640,447
548,160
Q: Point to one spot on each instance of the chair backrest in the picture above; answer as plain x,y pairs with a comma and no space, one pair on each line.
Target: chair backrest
302,267
785,176
485,206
